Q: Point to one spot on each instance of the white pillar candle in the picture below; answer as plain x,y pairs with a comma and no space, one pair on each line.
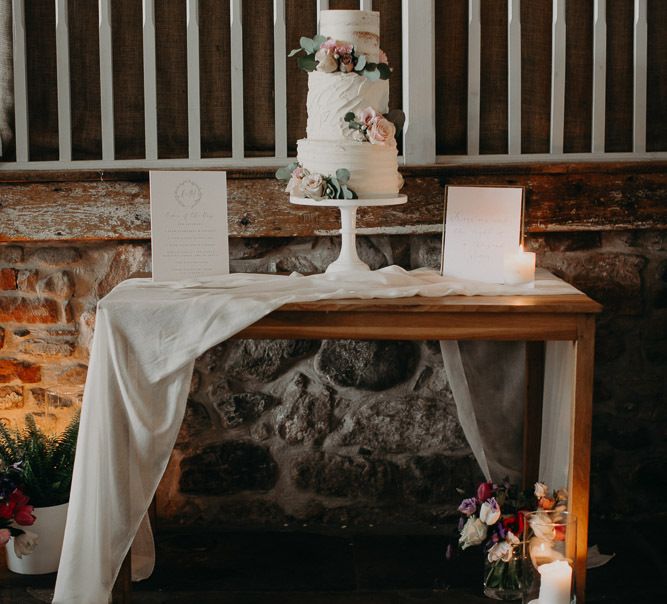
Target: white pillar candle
519,267
555,582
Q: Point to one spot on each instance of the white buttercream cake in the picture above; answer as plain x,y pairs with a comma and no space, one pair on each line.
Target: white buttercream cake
330,142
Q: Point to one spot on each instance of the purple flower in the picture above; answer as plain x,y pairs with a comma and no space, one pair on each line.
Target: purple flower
468,506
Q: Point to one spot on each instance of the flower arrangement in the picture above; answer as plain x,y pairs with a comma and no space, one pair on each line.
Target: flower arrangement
495,517
15,511
328,55
302,183
46,460
374,127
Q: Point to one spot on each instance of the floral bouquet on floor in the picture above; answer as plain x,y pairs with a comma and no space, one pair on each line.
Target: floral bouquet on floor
493,518
15,512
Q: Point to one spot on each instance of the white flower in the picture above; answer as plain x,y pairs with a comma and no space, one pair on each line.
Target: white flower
511,538
501,551
541,490
25,543
294,185
326,62
489,513
313,186
359,136
542,526
472,533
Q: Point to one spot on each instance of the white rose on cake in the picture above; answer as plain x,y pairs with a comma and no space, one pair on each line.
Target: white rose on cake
312,186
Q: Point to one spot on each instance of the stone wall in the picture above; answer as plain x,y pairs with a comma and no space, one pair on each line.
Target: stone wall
341,433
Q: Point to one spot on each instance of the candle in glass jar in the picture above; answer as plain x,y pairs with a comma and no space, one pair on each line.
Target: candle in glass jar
519,267
555,582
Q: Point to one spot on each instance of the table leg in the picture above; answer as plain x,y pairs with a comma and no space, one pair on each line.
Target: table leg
532,414
580,444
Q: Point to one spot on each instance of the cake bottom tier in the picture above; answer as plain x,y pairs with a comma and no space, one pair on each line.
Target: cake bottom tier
373,168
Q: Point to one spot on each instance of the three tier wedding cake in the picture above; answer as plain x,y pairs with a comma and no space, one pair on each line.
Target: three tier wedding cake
350,145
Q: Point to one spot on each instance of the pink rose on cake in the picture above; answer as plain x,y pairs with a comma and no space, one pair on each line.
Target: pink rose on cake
294,184
381,132
368,116
383,57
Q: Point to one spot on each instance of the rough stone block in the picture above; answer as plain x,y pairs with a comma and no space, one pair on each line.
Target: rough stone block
436,478
265,360
2,337
306,415
428,252
369,365
8,278
128,258
44,348
72,375
11,254
227,468
59,284
612,279
54,256
196,422
20,309
11,370
407,424
244,407
347,476
57,398
26,280
11,397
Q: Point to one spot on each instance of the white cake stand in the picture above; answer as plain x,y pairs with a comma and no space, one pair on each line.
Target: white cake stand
349,260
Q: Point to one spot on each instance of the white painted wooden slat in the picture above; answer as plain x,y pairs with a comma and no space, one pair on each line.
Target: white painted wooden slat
194,119
419,81
514,76
20,81
474,65
106,80
599,75
365,4
527,158
150,84
639,83
237,78
280,77
321,5
557,76
63,78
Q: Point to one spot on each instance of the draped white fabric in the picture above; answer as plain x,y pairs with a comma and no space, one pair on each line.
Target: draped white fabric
147,337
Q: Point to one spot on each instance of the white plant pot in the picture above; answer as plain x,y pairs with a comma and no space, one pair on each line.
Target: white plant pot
50,526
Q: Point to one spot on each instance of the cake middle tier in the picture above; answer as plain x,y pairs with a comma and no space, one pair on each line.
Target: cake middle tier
373,168
332,95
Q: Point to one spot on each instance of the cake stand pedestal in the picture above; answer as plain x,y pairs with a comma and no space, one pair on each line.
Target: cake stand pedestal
349,260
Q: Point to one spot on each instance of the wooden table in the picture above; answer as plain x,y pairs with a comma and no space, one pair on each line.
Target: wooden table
534,319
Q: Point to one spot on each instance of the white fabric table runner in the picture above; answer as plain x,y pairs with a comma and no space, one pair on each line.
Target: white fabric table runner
147,337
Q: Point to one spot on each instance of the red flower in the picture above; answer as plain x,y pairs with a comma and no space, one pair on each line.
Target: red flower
24,515
484,491
7,510
510,523
560,532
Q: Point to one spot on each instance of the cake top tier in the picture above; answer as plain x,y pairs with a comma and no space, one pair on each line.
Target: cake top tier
361,28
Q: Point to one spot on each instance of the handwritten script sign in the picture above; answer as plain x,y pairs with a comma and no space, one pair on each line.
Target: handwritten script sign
188,224
481,224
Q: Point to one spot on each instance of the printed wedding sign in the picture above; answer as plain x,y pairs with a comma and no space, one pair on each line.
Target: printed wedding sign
188,224
481,224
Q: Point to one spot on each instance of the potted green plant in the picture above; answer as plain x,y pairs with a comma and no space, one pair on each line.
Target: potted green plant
46,462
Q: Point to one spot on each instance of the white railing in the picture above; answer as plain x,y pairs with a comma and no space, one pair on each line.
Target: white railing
418,36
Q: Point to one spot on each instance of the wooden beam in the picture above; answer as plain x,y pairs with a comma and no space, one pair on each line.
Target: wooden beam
88,206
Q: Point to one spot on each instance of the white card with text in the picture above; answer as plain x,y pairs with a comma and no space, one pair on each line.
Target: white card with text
481,224
189,235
